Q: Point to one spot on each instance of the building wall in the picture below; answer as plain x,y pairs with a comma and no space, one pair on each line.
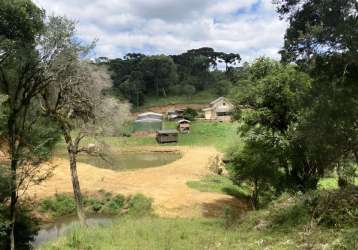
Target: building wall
209,114
221,105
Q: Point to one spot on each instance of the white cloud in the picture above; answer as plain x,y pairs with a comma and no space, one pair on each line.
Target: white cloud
249,27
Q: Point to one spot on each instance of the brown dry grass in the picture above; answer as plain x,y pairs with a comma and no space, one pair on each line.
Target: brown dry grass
165,184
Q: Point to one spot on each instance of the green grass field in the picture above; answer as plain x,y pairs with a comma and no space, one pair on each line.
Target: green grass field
219,184
203,133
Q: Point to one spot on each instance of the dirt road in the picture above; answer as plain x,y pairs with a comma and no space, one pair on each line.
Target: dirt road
165,184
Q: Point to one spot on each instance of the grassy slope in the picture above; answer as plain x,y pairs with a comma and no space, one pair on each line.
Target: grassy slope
199,98
219,184
286,228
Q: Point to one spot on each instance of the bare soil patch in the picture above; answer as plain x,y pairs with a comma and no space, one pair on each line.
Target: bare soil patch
165,184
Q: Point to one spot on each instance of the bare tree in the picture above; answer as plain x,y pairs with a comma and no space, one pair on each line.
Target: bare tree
76,101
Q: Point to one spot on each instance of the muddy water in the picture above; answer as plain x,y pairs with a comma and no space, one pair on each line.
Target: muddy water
129,161
63,225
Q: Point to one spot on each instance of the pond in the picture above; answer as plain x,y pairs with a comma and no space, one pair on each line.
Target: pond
63,225
128,161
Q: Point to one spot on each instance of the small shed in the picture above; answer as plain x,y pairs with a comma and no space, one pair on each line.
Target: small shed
183,126
173,114
167,136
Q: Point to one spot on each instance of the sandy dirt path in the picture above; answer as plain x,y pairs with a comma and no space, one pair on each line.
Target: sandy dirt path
165,184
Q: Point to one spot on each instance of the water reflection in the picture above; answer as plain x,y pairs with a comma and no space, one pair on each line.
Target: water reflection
63,225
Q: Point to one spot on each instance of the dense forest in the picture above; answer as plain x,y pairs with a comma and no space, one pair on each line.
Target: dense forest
136,75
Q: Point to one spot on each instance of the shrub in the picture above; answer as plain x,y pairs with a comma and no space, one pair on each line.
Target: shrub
93,204
335,208
60,205
114,205
140,205
190,114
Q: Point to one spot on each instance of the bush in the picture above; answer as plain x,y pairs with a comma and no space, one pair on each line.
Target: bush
190,114
334,208
60,205
93,205
103,203
115,204
140,205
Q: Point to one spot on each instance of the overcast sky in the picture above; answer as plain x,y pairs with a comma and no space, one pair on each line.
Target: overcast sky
248,27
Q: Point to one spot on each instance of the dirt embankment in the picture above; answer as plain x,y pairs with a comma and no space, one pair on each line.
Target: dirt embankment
166,184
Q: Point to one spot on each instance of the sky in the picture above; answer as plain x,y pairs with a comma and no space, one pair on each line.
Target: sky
248,27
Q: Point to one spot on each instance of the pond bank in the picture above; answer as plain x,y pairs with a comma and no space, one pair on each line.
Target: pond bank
52,231
166,184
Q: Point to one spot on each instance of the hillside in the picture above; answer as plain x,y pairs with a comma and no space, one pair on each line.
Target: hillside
288,223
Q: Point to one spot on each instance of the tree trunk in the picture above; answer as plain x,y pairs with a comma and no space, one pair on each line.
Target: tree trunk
156,87
76,188
13,151
72,154
255,196
13,200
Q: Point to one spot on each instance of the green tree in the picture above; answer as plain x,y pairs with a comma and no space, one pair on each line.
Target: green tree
190,114
223,87
322,38
159,73
255,163
272,101
229,59
21,79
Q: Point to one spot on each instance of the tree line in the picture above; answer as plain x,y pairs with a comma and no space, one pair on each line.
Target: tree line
136,75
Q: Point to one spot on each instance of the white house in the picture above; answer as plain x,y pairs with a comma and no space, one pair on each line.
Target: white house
220,109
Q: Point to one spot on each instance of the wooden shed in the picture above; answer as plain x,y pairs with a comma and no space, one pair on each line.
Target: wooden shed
167,136
174,114
183,126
